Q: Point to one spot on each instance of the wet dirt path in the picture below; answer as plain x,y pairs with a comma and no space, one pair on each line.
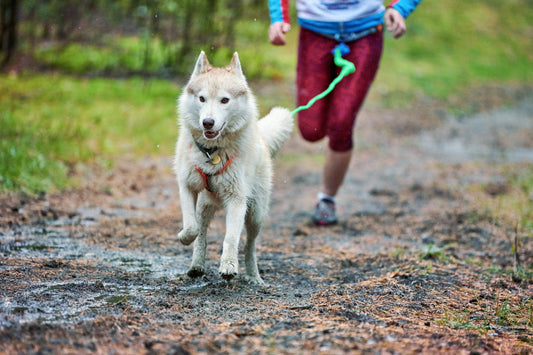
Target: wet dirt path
414,265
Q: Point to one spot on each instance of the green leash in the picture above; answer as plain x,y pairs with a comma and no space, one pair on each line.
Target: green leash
347,67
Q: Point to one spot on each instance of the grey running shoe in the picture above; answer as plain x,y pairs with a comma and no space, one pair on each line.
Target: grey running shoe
325,213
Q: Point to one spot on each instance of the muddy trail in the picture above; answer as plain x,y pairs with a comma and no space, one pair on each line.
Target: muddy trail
417,263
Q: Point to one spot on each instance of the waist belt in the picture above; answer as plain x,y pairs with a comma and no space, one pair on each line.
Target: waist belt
349,37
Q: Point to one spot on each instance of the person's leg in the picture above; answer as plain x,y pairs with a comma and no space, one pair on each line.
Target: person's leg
314,72
346,100
335,169
349,95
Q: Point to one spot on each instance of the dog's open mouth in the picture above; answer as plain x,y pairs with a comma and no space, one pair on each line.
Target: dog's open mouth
213,134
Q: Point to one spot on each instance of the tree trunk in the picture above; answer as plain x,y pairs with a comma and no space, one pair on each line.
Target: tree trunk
8,30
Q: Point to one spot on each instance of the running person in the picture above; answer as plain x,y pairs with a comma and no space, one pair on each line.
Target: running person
325,23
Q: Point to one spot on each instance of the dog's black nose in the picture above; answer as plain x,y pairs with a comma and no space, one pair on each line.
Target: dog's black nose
208,123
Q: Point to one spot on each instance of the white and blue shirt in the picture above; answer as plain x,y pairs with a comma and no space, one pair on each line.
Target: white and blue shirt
338,17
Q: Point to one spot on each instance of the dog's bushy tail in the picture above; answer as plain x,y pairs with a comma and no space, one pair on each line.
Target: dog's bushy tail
275,128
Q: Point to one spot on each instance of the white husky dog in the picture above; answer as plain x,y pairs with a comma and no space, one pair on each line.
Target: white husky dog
223,160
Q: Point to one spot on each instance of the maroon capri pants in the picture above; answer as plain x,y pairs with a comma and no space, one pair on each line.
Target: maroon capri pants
333,116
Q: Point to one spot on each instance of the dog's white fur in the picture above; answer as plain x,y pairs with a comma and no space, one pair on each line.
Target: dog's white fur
222,96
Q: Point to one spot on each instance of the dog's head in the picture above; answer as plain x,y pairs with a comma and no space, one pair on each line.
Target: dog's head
216,100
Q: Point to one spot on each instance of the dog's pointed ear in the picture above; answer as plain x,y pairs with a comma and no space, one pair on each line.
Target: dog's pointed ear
235,65
202,64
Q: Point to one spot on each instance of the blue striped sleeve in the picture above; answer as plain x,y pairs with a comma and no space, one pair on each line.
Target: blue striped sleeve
279,10
404,7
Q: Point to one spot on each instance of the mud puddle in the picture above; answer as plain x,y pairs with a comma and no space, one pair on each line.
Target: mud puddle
71,296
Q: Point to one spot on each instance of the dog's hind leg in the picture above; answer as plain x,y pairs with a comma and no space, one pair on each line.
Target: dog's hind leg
252,272
206,211
254,220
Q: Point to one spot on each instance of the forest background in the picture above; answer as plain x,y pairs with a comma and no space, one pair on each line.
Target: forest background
91,82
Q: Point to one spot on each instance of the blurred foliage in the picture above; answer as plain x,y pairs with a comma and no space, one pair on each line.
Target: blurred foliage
453,45
165,32
449,48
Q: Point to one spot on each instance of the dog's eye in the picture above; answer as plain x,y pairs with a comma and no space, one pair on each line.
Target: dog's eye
224,100
202,99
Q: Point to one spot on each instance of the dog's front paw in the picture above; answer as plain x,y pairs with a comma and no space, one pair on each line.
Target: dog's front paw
228,269
188,235
196,271
254,280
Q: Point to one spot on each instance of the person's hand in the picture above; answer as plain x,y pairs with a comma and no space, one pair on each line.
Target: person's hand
276,33
395,22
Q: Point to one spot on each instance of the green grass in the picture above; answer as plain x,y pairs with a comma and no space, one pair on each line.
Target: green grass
514,205
50,123
450,46
432,252
491,314
524,201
